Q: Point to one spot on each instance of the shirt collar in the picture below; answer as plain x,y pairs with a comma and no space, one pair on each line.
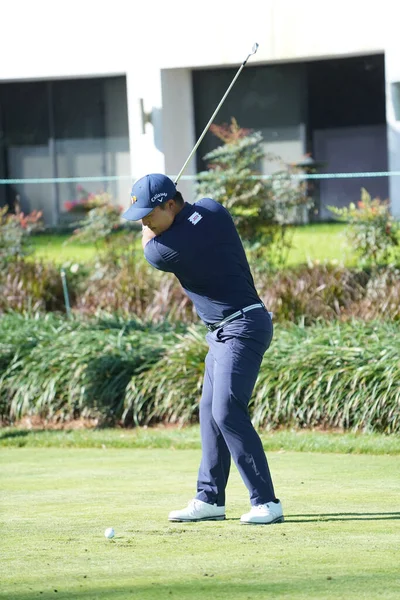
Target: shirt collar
184,213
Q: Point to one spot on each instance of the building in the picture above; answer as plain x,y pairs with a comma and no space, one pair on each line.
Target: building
112,90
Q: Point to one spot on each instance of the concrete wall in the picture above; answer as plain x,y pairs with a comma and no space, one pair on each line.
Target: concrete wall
87,36
150,42
393,120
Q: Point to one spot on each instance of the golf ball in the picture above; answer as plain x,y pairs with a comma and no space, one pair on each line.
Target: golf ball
109,533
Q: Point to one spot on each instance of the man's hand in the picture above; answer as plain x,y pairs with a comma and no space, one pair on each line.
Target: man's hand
147,235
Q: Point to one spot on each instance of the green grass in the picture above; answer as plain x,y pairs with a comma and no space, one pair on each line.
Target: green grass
340,539
53,248
188,438
323,242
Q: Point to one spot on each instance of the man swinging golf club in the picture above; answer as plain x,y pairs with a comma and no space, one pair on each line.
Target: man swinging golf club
200,245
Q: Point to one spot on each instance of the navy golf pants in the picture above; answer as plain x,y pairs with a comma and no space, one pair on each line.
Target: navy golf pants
231,369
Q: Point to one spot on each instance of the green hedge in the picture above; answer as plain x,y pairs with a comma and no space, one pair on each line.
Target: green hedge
113,370
59,369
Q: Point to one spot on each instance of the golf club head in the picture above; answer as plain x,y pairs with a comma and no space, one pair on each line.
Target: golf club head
254,49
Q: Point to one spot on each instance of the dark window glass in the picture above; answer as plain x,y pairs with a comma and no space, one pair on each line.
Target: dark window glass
24,113
264,97
346,92
78,108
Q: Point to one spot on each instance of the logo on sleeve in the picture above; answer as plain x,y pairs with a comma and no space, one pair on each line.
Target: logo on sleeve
195,218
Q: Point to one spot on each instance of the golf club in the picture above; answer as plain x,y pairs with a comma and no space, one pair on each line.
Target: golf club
253,51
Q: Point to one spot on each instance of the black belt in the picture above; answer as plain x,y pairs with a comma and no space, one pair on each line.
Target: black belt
239,313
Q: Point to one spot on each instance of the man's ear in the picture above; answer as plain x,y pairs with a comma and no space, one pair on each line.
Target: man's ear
171,204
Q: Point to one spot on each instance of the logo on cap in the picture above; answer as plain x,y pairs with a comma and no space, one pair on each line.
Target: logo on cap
160,197
133,199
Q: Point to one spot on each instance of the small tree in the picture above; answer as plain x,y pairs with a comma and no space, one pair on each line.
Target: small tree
372,230
101,216
102,219
262,209
15,230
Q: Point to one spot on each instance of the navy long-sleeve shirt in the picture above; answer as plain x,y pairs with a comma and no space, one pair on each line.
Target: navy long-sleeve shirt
203,249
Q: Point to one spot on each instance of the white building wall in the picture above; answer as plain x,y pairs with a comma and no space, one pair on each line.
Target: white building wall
178,134
44,39
392,66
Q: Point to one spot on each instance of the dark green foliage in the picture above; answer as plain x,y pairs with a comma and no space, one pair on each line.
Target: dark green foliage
372,230
73,369
343,376
130,372
170,390
261,208
15,231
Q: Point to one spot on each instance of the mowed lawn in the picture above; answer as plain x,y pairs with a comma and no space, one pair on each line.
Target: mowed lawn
322,242
341,537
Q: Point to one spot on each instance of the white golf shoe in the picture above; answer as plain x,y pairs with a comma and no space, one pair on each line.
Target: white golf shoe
197,510
264,514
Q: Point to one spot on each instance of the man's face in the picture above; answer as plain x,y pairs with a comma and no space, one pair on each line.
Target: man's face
160,219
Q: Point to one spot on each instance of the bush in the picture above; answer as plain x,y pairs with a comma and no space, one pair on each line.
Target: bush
31,286
380,300
262,209
372,231
102,216
127,286
130,286
330,292
15,230
308,293
129,372
19,335
170,390
74,369
313,292
330,376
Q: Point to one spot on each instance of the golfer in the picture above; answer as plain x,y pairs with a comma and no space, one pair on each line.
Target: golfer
200,245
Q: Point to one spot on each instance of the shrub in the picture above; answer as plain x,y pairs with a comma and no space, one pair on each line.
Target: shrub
308,293
312,292
330,376
380,300
372,230
261,209
131,286
102,217
15,230
170,390
130,372
79,369
31,286
19,335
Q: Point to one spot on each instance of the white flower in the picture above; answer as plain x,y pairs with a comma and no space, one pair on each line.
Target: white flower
74,268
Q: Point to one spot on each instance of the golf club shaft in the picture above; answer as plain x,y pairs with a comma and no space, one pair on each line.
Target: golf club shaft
214,114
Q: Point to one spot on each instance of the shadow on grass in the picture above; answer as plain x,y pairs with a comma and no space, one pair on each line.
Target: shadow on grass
9,435
211,584
318,518
313,518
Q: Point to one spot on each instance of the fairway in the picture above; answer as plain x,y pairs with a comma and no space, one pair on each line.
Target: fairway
322,242
341,537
